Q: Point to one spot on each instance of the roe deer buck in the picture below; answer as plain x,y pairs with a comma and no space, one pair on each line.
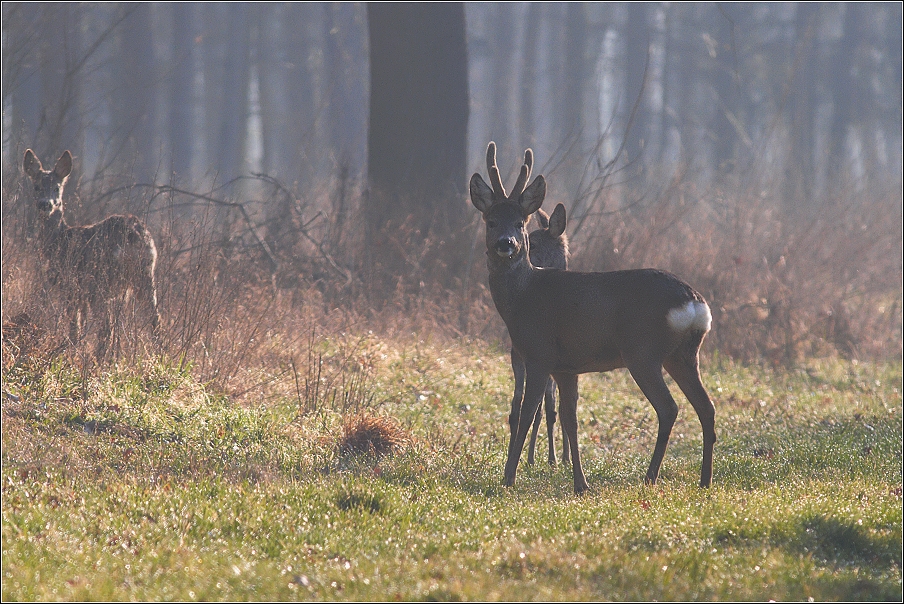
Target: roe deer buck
565,323
548,249
96,266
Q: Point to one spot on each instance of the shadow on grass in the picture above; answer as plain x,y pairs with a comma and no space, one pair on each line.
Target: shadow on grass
857,447
843,542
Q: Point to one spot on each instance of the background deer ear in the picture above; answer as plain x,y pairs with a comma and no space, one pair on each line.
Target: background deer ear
63,166
542,218
533,196
557,221
32,164
481,194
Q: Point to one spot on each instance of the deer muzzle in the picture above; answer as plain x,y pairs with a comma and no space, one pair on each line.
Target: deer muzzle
506,247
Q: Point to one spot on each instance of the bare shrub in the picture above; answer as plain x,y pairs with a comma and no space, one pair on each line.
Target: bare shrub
782,285
26,345
339,382
267,297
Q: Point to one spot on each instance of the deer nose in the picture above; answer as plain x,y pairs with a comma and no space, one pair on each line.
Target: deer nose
506,247
44,205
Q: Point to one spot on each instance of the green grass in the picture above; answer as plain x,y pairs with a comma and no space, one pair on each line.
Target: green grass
141,484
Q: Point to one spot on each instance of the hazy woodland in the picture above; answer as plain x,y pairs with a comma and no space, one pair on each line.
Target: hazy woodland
303,168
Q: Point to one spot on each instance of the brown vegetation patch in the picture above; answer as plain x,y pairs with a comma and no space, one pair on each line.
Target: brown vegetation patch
25,342
371,435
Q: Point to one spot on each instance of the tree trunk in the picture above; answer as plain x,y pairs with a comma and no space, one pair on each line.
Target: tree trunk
181,133
236,80
301,87
844,94
417,137
134,126
722,74
345,97
59,79
528,82
637,47
800,168
21,90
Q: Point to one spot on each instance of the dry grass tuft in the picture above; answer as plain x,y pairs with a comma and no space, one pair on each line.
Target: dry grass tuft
26,343
364,434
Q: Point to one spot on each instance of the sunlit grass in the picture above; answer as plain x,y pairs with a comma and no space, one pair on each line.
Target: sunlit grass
142,484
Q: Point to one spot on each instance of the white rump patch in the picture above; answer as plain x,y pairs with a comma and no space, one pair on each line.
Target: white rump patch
694,314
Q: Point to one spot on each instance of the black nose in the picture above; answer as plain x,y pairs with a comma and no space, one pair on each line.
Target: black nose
44,206
506,247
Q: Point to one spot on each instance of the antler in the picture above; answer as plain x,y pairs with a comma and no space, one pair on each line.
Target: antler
524,175
496,180
493,170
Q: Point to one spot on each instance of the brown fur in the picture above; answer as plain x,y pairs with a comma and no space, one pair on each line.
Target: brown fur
95,267
548,249
566,323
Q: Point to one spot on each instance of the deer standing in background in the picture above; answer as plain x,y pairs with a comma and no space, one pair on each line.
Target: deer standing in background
548,249
95,267
565,323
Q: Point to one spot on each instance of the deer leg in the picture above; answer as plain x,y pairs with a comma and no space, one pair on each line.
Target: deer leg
75,327
515,413
649,377
568,406
535,385
77,312
566,449
549,401
146,295
103,338
533,435
685,370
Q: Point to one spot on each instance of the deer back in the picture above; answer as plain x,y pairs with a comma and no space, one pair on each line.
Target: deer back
581,322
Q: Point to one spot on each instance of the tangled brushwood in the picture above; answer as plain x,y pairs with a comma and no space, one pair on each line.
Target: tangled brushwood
26,344
265,298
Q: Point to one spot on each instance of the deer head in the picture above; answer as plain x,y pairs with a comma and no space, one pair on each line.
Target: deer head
506,214
48,184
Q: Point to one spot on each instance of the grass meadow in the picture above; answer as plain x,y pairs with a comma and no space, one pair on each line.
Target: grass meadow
141,482
294,435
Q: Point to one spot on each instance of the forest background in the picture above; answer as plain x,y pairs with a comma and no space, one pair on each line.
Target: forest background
323,412
753,149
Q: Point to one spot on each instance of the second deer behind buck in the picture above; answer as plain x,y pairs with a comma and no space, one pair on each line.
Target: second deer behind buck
95,267
565,323
548,249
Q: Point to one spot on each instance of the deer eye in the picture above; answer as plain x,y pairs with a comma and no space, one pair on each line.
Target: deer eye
491,224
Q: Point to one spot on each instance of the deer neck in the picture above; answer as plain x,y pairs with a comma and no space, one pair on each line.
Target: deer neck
53,227
509,280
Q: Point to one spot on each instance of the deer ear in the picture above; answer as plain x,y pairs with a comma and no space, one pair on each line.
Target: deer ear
32,164
557,221
63,167
542,218
481,194
533,196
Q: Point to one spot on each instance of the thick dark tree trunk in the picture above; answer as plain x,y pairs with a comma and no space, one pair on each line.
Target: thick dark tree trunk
417,136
